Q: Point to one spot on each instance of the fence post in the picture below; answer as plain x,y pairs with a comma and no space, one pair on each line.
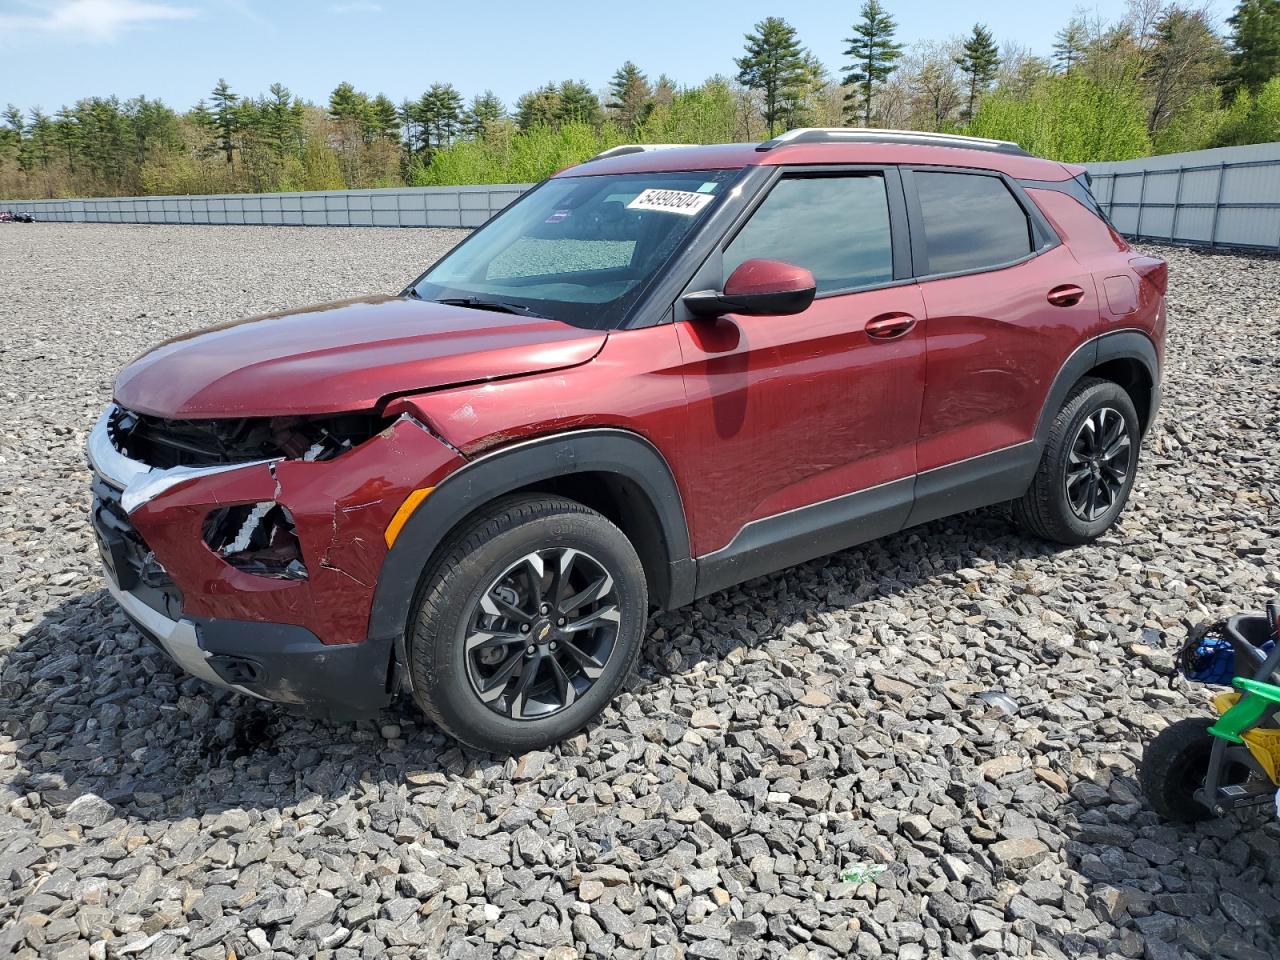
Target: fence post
1217,205
1177,199
1142,196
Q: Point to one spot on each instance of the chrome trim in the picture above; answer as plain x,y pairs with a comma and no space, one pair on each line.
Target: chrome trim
893,136
177,637
138,482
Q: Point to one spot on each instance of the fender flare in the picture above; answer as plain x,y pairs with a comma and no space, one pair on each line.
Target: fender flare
480,481
1130,344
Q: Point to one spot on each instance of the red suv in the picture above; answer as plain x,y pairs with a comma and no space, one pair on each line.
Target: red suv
659,373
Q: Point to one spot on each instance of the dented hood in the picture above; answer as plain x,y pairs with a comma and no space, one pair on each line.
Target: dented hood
340,357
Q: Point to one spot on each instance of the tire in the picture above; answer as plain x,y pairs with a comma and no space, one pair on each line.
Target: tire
1051,507
465,634
1174,766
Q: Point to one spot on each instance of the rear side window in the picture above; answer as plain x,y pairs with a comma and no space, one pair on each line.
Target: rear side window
837,227
971,222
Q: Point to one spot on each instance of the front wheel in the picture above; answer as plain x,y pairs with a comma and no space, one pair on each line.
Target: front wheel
1174,767
1087,468
530,619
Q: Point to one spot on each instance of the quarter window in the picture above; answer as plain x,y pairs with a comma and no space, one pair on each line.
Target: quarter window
835,227
971,222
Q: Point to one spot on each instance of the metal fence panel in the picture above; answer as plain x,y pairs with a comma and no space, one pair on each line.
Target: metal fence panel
390,207
1227,197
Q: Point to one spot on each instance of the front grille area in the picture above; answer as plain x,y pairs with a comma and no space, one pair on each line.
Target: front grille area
191,443
128,559
162,444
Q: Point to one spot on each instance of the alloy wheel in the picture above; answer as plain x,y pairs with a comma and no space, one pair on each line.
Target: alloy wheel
1098,464
542,633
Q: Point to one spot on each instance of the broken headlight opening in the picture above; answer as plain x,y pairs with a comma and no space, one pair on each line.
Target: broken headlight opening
163,443
257,538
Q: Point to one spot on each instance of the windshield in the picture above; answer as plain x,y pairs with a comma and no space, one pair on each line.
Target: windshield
577,249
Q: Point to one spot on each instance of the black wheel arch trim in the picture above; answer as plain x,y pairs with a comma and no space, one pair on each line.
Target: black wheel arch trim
510,468
1129,344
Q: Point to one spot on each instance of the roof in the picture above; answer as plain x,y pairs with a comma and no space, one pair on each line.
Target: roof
735,155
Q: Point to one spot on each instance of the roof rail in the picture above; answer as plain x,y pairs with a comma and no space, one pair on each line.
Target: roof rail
626,148
874,135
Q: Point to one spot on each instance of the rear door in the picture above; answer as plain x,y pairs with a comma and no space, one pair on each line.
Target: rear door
1006,304
786,412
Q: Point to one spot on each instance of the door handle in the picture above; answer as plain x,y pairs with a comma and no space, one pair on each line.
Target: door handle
890,326
1066,295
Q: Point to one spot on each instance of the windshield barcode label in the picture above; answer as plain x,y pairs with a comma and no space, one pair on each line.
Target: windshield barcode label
671,201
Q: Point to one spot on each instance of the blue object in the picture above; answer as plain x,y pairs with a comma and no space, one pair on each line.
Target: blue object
1214,661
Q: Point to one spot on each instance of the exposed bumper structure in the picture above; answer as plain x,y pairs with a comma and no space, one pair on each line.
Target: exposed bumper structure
303,642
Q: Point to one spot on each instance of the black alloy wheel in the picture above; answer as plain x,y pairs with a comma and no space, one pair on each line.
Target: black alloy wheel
543,632
1098,464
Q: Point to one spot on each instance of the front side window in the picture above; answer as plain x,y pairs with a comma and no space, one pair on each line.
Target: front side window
578,249
836,227
971,222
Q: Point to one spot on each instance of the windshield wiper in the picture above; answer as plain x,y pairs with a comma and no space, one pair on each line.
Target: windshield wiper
498,306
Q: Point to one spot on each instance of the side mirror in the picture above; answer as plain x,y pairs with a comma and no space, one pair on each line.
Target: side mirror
758,288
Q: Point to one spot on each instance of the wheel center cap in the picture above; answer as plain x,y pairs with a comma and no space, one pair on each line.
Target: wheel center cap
542,631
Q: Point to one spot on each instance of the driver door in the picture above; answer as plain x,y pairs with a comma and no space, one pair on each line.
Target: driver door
801,430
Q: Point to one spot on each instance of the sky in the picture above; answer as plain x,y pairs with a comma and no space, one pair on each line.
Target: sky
53,52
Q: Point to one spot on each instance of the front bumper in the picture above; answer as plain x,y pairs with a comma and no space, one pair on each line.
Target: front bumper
300,642
278,662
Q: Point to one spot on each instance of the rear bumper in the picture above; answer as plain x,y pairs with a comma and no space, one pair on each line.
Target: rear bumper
278,662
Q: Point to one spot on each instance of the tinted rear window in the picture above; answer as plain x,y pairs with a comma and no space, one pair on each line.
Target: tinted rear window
970,222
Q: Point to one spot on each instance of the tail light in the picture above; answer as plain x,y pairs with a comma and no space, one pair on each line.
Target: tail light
258,538
1152,269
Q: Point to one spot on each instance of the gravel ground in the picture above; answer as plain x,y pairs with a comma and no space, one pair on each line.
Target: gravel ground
799,768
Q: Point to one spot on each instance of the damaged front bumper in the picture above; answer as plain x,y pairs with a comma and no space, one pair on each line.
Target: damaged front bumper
300,641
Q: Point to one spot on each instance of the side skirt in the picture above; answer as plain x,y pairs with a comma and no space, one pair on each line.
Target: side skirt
977,482
786,539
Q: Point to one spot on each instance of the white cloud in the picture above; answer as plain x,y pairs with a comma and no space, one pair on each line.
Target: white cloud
97,20
356,8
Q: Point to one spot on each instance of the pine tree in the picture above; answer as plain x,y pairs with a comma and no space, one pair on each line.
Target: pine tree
384,119
538,107
1069,45
631,97
1255,43
486,109
578,104
978,60
775,65
875,56
226,119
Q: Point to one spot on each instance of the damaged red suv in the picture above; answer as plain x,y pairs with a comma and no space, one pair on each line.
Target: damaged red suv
659,373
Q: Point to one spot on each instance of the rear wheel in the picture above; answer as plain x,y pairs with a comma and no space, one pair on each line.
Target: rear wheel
1087,468
529,622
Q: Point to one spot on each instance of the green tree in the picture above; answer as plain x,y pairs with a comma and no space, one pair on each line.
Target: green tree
384,119
979,61
631,96
440,113
875,56
578,104
774,64
485,110
226,119
538,107
1255,43
1183,58
1069,45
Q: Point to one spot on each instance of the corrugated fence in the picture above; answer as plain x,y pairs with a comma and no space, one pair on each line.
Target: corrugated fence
1228,197
395,207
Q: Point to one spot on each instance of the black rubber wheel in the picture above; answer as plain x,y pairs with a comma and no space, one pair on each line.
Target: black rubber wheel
1087,468
529,620
1174,765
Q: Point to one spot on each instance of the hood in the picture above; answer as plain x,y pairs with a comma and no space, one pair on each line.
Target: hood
342,357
